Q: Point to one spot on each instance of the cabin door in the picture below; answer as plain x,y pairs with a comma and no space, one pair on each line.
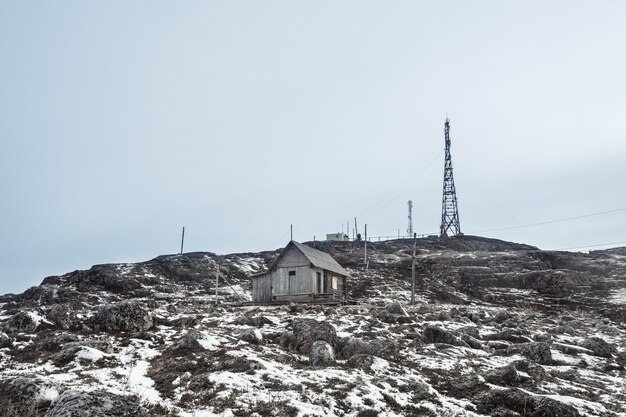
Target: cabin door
320,283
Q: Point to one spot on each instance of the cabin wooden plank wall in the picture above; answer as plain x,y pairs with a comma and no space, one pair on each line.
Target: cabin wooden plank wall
262,289
299,282
293,257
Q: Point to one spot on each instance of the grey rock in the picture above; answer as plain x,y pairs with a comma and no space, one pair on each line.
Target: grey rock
571,349
60,314
21,322
54,342
361,361
421,391
5,340
599,347
69,350
509,335
94,404
434,334
397,309
308,331
252,336
506,375
471,341
538,352
26,394
386,349
322,354
501,316
125,316
518,401
188,343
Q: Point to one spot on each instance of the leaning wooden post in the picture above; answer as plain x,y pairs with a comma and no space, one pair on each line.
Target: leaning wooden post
366,247
413,270
182,241
217,277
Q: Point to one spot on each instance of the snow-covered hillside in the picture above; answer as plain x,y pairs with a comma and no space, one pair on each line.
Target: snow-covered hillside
499,329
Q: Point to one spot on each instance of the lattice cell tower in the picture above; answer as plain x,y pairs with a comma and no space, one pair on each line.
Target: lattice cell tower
450,225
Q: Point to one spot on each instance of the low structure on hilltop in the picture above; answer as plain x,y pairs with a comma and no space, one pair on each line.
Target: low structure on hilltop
301,274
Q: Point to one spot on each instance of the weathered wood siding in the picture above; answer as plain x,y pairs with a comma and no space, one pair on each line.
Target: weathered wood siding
262,289
300,283
293,257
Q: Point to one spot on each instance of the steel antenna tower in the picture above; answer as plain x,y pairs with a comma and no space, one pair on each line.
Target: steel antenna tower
410,228
449,210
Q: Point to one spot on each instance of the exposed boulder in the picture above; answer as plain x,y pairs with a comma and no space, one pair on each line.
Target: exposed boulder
434,334
27,394
382,348
125,316
509,335
518,401
501,316
5,341
471,341
255,321
361,361
252,336
21,322
538,352
70,350
506,375
188,343
421,391
60,314
467,386
308,331
94,404
599,347
321,354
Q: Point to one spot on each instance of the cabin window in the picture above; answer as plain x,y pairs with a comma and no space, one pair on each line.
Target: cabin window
319,283
335,283
292,274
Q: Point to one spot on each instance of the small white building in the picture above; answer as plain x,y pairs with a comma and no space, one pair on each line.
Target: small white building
338,237
301,274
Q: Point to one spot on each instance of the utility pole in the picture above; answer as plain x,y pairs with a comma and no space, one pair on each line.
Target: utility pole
366,263
413,270
449,209
410,228
182,241
356,229
217,278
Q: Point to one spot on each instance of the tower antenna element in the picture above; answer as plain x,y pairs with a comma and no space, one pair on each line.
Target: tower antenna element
450,225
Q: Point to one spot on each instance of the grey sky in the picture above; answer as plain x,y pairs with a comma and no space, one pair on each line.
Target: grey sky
120,122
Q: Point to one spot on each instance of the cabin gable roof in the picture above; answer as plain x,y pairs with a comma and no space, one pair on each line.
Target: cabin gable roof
317,258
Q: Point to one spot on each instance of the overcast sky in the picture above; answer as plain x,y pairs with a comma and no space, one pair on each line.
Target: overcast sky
121,122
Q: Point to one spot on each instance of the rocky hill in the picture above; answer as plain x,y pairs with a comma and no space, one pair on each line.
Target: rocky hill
498,329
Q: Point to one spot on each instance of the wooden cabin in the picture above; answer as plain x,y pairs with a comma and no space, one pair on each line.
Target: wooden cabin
301,274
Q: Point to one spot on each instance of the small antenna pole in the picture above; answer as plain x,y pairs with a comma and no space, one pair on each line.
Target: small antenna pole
413,270
291,231
366,246
182,241
410,228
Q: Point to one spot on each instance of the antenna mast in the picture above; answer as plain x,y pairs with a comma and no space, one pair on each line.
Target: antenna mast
449,210
410,229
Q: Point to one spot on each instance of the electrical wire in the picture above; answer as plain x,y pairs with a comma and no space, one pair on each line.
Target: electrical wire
593,246
550,221
389,198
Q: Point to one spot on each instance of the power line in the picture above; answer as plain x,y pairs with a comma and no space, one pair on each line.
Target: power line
593,246
550,221
389,198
